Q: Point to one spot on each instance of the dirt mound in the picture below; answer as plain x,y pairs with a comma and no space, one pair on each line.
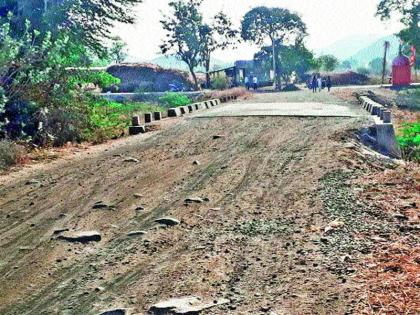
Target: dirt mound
348,78
147,77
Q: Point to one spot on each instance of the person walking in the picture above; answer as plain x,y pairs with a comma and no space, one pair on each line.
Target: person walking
247,83
319,83
255,83
314,84
328,83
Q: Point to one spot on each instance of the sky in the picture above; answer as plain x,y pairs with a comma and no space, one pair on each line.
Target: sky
327,21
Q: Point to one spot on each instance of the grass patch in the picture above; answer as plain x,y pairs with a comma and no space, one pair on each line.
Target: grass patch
110,119
409,98
10,154
171,99
409,140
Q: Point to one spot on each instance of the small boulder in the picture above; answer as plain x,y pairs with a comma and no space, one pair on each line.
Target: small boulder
117,311
136,233
168,221
194,200
131,160
100,205
81,236
218,137
184,305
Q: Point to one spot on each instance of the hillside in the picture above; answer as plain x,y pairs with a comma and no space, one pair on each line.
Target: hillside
375,50
348,46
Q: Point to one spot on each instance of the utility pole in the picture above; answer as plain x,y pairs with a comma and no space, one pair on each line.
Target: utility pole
274,65
386,47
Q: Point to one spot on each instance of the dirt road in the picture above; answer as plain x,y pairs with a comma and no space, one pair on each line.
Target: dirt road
256,237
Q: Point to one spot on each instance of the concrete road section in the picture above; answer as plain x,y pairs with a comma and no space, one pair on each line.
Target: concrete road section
281,109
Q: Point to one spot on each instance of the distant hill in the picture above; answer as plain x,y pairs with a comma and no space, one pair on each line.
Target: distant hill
349,46
375,50
172,62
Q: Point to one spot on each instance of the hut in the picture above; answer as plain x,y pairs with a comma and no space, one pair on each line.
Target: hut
401,71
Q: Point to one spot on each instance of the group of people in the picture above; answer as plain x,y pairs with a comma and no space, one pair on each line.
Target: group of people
251,81
318,83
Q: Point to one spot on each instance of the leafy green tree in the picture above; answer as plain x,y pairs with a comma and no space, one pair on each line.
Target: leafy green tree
294,58
184,33
87,22
409,10
118,51
376,66
274,24
328,62
219,35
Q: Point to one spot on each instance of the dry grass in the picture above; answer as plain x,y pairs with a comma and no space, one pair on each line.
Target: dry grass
239,92
391,276
392,280
10,154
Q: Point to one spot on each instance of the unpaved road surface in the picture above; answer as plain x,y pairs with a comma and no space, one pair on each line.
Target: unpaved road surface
256,238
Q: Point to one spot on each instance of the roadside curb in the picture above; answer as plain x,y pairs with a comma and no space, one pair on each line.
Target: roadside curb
137,128
382,134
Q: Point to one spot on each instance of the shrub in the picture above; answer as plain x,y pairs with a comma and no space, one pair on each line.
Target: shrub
10,154
173,99
220,83
102,79
108,119
410,141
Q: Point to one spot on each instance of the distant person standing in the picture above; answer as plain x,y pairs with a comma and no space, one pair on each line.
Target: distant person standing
314,84
247,83
328,83
319,80
255,83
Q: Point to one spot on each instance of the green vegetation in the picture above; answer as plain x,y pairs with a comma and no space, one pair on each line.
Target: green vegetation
191,39
9,154
174,100
327,62
110,119
220,83
410,141
276,25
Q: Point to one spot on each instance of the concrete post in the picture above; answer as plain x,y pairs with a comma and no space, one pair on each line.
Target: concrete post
135,130
386,116
381,113
157,115
147,118
135,121
173,112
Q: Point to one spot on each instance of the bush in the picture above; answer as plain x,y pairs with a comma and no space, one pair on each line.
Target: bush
173,99
108,119
10,154
220,83
410,141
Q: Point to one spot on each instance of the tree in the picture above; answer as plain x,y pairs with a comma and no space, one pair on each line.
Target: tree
328,62
219,35
275,24
409,11
376,66
294,58
184,33
88,22
118,50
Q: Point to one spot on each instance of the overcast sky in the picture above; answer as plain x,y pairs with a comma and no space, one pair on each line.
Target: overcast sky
327,20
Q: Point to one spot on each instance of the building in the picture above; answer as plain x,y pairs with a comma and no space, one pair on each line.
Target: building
243,69
401,71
